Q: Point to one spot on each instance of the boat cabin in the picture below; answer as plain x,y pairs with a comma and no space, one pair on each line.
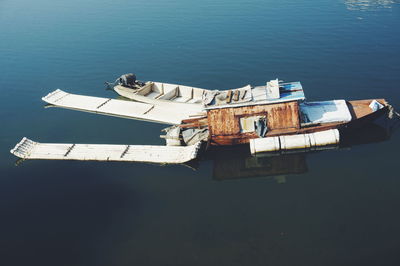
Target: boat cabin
272,108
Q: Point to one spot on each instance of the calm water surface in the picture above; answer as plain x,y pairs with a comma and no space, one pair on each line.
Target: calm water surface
338,207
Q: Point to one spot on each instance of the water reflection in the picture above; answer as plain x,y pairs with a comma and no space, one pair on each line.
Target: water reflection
237,162
368,5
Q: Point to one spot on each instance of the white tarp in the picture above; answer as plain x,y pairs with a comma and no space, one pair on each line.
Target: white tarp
325,112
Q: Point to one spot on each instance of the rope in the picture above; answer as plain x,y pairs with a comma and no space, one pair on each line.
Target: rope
395,119
392,113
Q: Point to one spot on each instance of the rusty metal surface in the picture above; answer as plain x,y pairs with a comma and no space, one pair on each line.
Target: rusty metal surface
225,121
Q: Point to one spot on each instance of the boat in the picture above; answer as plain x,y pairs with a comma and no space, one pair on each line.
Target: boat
268,118
156,92
236,116
173,96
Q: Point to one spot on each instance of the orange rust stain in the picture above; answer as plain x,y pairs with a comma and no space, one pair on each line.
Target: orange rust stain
226,121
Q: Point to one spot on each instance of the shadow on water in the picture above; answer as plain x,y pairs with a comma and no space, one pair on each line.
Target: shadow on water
236,162
230,221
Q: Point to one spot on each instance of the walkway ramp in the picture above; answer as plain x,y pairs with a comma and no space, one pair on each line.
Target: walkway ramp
28,149
118,108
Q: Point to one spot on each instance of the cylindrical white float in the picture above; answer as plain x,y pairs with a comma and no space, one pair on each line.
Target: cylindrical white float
264,145
299,141
327,137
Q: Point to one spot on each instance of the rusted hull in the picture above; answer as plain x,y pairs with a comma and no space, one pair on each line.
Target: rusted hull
361,114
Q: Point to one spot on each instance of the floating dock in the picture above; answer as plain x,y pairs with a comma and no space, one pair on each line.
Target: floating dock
28,149
118,108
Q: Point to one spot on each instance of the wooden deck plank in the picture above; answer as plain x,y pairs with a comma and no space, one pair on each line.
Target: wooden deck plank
360,108
224,124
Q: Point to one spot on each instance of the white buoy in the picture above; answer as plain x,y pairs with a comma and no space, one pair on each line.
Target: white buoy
323,138
264,145
299,141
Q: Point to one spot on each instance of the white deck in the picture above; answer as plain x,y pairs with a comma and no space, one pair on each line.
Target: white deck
119,108
28,149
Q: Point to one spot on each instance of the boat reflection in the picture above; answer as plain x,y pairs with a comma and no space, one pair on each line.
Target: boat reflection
237,162
277,166
368,5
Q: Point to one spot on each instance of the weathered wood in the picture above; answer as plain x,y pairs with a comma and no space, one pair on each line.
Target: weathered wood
236,139
192,120
236,95
284,115
194,123
224,124
243,95
360,110
229,97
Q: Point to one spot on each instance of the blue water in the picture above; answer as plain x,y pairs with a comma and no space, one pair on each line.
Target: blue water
338,207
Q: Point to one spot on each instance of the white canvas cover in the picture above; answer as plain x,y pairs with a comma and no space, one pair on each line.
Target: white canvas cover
325,112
